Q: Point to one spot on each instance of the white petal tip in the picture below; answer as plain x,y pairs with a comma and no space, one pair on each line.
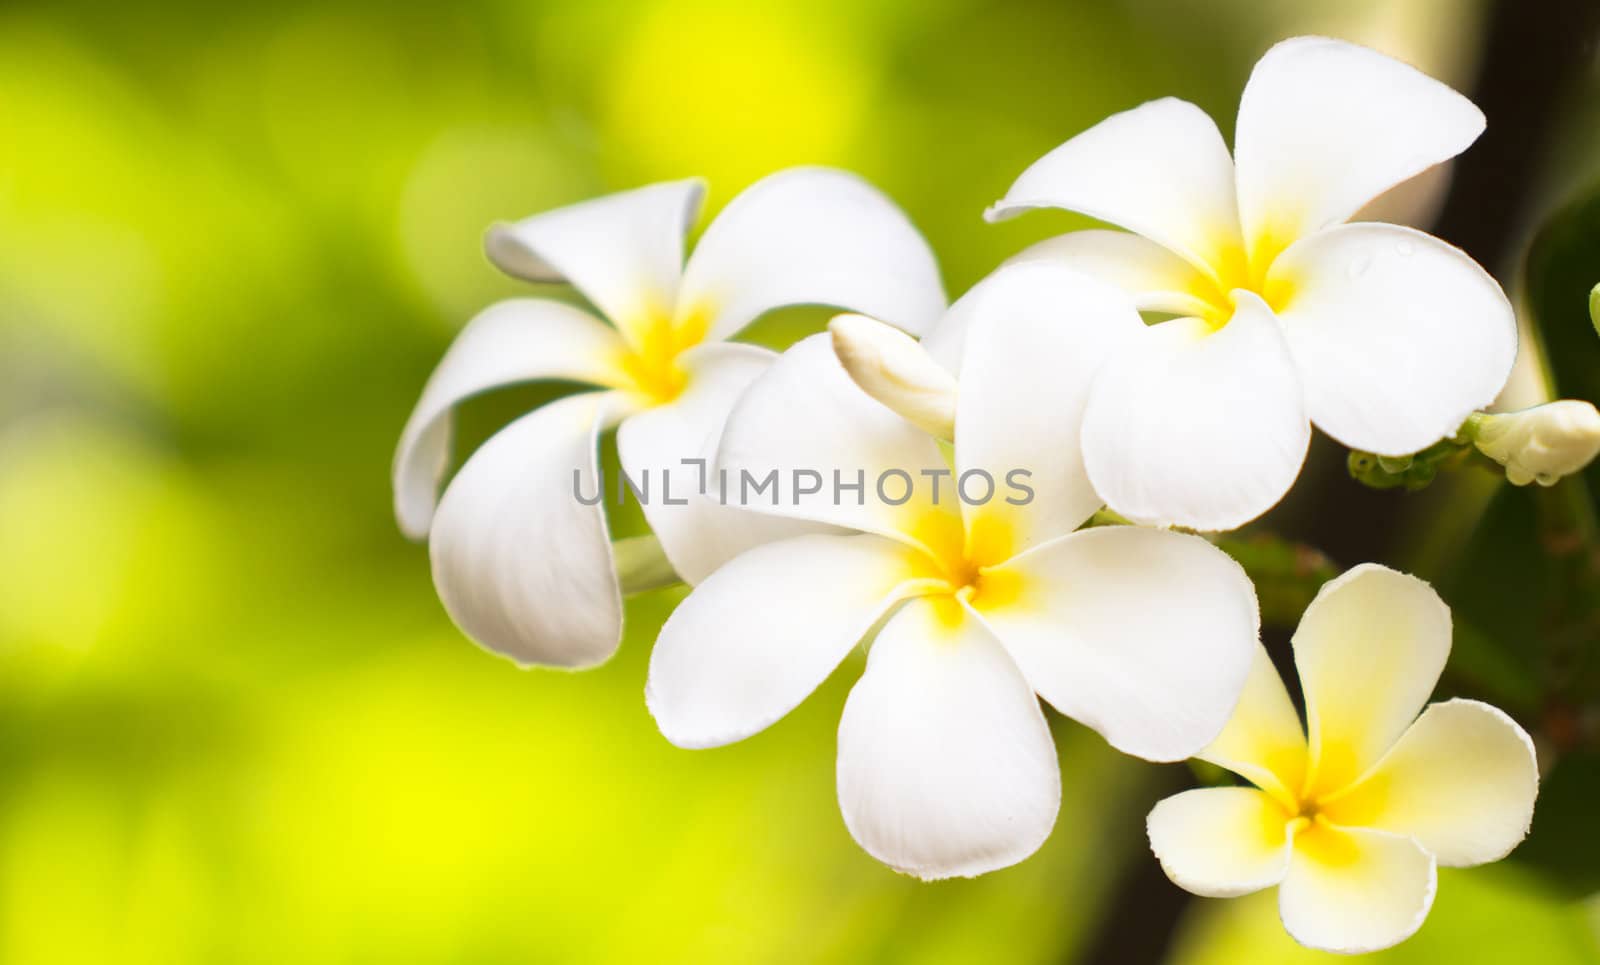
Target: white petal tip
1002,210
678,733
413,526
969,868
1203,523
511,255
520,654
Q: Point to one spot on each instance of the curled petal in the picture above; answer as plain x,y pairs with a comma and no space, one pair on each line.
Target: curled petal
513,341
522,566
812,236
1326,126
1160,169
757,636
624,251
946,766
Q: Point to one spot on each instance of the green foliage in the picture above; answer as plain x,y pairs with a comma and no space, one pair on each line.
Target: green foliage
1562,269
1594,307
1287,575
1526,589
1495,914
1416,471
235,723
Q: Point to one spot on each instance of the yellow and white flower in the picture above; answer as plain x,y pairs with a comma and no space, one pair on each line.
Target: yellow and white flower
1351,819
946,766
524,567
1385,337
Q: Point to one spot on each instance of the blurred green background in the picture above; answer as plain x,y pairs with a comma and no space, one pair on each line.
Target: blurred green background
235,724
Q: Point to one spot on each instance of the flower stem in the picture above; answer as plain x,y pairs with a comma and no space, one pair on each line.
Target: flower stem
642,565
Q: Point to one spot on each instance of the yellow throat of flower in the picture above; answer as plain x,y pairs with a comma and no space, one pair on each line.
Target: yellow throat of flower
1323,800
964,562
650,363
1235,266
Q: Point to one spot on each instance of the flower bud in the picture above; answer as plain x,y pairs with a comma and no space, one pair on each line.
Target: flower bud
1594,308
893,368
1543,443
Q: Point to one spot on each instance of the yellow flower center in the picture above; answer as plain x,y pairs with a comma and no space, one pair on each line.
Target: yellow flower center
1236,266
650,364
962,564
1316,838
1317,809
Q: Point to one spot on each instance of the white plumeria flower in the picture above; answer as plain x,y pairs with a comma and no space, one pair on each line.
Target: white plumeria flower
1543,443
1385,337
946,766
524,567
1351,822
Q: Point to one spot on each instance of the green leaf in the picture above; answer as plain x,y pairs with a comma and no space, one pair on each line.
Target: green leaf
1594,308
1287,574
1526,590
1497,913
1563,268
1563,844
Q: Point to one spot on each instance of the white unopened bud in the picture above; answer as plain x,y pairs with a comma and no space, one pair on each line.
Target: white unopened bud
1543,443
895,369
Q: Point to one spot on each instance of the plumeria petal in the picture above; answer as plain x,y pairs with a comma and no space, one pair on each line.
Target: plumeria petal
1263,741
1326,126
659,448
624,251
1398,336
521,565
1352,890
805,422
1160,169
946,341
1157,279
1461,781
1221,842
1369,649
1157,681
812,236
1040,331
513,341
1195,428
946,766
763,631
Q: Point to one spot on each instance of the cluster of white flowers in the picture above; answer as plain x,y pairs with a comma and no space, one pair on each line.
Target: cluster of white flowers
1284,316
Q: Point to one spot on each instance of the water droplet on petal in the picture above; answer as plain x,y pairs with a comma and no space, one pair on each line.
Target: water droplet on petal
1359,264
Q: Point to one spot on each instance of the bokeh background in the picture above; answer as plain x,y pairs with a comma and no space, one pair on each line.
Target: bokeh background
235,724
